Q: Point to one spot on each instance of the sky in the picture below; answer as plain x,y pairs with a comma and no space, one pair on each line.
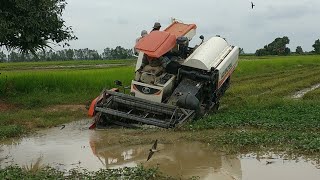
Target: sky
108,23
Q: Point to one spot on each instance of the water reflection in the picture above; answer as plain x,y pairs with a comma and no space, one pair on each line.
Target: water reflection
75,146
180,159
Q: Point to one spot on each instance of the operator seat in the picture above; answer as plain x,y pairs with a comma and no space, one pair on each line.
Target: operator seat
151,71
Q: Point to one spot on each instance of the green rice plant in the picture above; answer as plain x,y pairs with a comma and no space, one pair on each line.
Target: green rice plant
139,172
277,115
8,130
306,142
17,122
74,83
270,79
259,65
61,64
313,95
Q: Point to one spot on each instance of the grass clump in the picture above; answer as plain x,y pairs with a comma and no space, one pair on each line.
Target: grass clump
13,123
301,142
278,115
8,131
15,172
313,95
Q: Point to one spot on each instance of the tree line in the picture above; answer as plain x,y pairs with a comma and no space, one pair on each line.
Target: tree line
28,32
279,47
68,54
276,47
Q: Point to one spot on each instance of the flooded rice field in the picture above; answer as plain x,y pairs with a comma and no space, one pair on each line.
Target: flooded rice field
75,146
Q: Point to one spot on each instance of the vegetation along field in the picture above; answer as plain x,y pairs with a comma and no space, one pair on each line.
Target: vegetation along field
257,112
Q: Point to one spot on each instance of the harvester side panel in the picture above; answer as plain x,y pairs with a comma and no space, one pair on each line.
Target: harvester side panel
228,65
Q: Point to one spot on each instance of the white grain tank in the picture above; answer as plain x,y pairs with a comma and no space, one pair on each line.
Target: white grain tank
214,54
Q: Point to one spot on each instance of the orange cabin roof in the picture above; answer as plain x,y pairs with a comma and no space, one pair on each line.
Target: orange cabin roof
157,43
180,29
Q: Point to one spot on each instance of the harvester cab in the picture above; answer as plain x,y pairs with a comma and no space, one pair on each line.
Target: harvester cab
173,82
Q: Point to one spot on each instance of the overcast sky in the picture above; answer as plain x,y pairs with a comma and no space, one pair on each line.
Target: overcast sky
107,23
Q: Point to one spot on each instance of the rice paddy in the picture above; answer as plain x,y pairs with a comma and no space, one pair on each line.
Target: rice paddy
256,110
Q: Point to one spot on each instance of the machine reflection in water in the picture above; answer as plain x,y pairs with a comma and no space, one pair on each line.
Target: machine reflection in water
179,159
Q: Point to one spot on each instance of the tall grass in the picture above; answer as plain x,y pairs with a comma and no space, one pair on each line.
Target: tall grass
253,65
57,64
313,95
74,83
139,172
257,75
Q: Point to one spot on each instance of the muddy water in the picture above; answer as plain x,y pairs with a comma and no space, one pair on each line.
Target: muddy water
75,146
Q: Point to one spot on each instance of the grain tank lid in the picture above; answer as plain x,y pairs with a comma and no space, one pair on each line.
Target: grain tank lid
180,29
157,43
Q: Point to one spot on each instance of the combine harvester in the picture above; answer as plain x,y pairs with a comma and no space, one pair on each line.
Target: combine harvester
183,84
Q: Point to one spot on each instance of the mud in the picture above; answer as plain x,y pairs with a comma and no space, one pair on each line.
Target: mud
5,106
301,93
76,146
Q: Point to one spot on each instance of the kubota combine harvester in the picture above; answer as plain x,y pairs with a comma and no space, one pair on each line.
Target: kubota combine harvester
173,83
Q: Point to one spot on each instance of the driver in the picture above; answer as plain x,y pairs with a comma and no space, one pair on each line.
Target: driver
156,26
151,65
143,34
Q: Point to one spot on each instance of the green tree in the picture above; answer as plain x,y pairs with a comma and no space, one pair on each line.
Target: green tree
316,46
13,56
94,55
61,55
28,25
262,52
3,57
121,53
79,54
277,47
241,51
53,55
70,54
299,50
43,56
106,53
287,51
